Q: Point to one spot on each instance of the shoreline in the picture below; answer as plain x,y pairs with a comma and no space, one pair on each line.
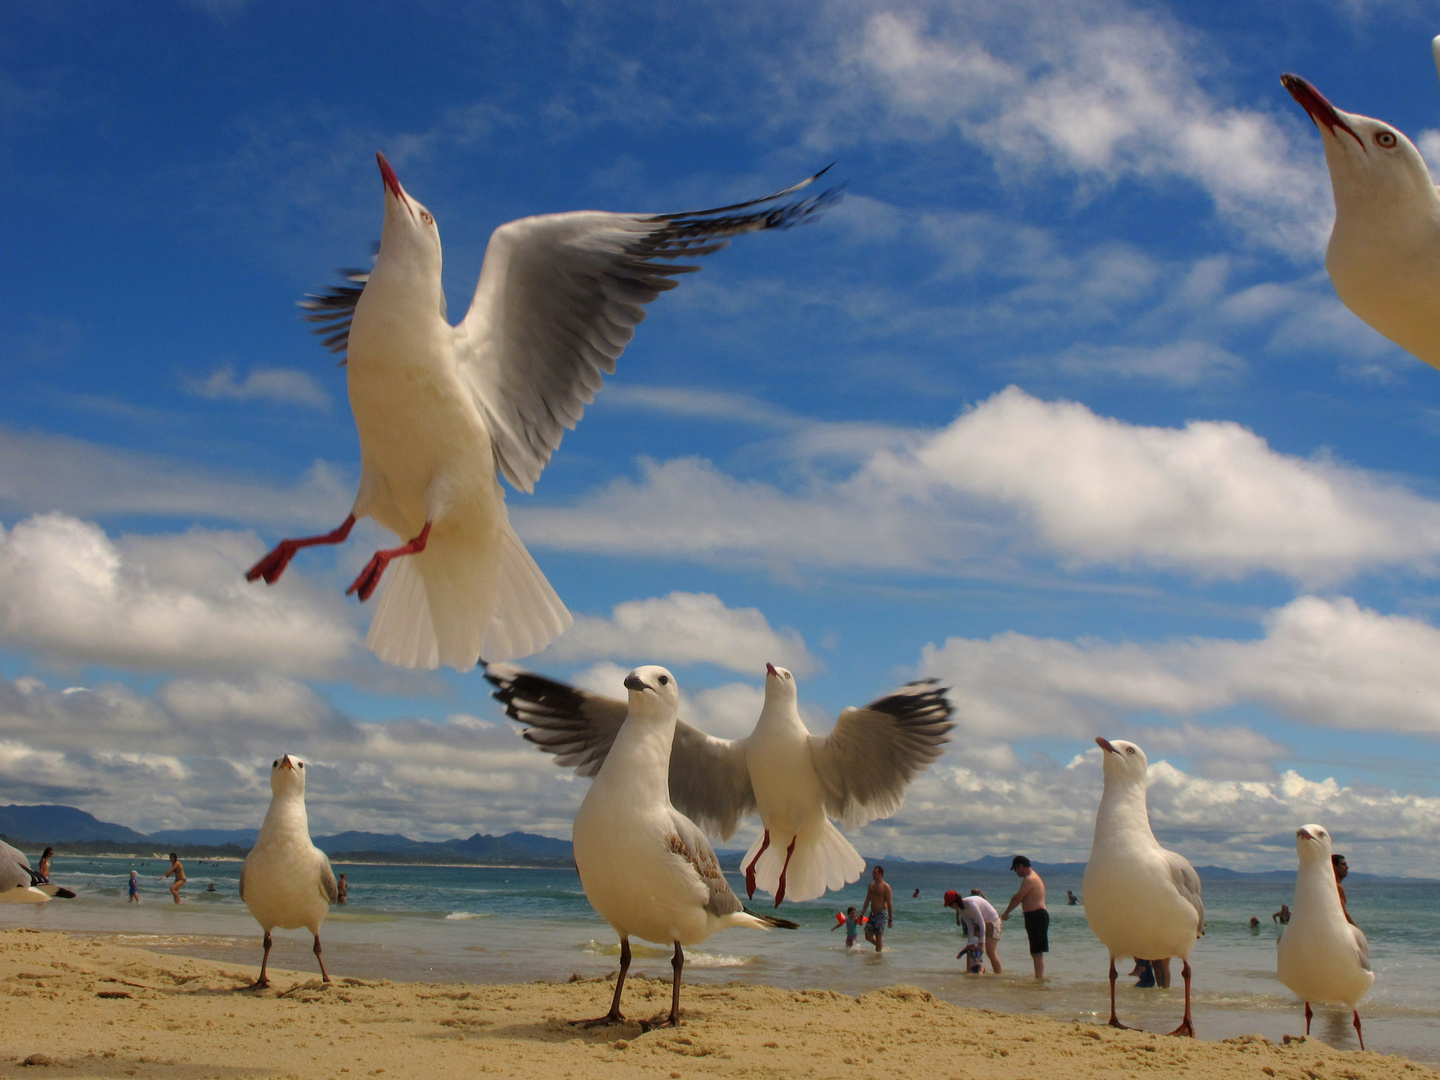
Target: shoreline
95,1008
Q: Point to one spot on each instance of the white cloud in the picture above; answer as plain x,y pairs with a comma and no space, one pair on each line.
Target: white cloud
283,385
684,628
1323,662
1210,499
179,603
1097,91
42,472
1179,363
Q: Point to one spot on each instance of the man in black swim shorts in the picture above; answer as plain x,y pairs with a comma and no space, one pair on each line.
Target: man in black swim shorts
1031,899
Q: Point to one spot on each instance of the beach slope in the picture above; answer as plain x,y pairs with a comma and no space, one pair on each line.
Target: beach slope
80,1007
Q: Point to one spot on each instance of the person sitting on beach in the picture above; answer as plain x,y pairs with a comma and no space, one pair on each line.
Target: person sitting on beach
342,890
1282,916
881,905
134,888
1342,870
179,872
852,928
49,854
1031,898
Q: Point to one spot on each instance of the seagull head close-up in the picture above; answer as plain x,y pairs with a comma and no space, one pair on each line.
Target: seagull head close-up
1313,844
1370,161
409,234
653,692
1122,760
779,683
287,774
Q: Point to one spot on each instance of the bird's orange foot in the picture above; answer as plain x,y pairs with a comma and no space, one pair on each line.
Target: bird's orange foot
273,565
369,579
1186,1028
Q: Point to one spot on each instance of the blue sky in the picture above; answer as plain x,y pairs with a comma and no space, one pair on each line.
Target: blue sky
1057,405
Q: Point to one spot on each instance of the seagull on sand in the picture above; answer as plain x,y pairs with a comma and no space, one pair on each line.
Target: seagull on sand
442,409
795,780
286,880
1140,899
19,884
647,868
1384,252
1320,955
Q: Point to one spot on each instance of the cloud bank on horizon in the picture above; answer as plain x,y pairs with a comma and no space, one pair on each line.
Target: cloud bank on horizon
1057,406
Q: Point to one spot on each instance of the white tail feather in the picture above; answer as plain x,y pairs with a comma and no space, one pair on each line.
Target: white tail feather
457,601
823,859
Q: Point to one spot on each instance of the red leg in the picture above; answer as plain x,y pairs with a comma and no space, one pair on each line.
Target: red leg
369,578
1358,1033
1114,1020
750,870
1187,1025
780,893
324,975
1308,1015
273,565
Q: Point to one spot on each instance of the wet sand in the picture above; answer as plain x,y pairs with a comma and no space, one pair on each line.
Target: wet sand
80,1007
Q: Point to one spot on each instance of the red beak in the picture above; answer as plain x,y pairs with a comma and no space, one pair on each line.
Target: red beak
1320,110
771,669
1305,833
388,175
1104,744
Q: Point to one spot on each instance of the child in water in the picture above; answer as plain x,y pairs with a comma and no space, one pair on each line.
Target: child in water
852,927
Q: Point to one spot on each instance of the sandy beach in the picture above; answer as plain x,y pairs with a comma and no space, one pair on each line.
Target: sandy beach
76,1006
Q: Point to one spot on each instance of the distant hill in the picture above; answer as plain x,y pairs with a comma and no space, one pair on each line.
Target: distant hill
56,824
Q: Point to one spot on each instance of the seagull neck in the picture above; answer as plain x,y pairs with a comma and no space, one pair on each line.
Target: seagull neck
287,812
1123,811
780,717
642,756
1315,890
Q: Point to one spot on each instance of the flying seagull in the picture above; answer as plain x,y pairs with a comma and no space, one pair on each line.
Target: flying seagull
286,880
795,780
1384,252
647,869
1140,899
1322,956
443,411
19,884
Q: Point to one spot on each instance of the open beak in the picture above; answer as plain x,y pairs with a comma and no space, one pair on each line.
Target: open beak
769,667
286,763
1104,744
1320,110
392,182
634,682
1303,833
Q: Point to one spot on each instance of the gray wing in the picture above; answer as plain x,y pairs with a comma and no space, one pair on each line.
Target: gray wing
690,844
15,872
709,778
558,300
1362,946
334,307
328,888
868,761
1187,882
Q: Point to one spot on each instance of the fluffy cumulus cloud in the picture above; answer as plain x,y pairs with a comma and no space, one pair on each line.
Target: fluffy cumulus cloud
684,628
281,385
76,596
1097,91
1014,475
1326,662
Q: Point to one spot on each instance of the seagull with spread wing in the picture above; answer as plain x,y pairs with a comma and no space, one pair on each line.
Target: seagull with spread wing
795,780
442,409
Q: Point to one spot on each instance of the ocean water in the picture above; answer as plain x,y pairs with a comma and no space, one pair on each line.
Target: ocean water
498,925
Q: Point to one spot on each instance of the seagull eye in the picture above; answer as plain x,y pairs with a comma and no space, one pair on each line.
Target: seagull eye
275,764
664,679
1386,139
425,214
301,764
1129,749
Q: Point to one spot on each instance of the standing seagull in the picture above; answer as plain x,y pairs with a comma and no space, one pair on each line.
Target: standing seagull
1384,252
859,772
440,408
1141,900
1320,955
647,868
286,880
19,884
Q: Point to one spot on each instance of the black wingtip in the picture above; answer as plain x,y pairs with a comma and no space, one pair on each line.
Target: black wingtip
64,894
773,921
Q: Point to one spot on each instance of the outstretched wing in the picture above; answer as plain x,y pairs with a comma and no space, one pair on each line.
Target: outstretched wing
558,300
1187,883
333,308
709,779
868,761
